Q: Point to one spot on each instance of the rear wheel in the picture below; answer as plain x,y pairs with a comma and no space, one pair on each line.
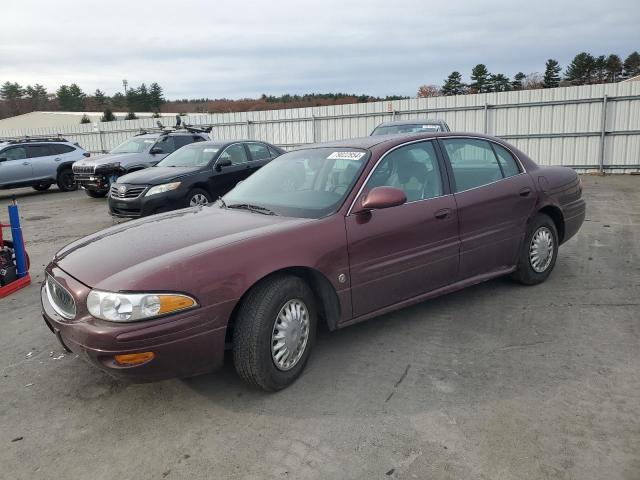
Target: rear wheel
198,196
539,251
274,332
41,187
65,180
96,193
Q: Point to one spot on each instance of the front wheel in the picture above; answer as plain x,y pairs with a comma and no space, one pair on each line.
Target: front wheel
65,180
539,251
274,332
198,196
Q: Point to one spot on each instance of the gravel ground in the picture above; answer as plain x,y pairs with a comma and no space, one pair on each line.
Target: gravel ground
498,381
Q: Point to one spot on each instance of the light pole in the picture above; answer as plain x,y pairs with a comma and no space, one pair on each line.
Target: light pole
124,84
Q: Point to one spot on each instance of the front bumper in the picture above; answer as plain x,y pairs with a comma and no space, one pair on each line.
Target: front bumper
184,344
142,206
92,181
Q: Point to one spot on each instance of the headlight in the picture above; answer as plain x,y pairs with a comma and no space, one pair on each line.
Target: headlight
131,307
167,187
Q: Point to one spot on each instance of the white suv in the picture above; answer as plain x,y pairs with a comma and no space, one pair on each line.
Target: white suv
38,163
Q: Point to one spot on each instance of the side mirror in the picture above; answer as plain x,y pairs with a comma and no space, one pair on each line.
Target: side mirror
380,197
223,162
156,150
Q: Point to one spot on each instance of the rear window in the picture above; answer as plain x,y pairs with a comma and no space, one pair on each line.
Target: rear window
406,129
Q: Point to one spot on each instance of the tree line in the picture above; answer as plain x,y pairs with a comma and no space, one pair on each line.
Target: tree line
16,100
584,69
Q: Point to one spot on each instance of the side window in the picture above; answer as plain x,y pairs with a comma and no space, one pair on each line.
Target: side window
473,162
59,149
40,151
274,153
15,153
413,168
166,143
507,162
182,140
196,138
235,153
259,151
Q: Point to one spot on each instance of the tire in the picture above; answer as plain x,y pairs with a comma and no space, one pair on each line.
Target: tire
9,244
65,180
531,271
256,324
96,193
41,187
198,196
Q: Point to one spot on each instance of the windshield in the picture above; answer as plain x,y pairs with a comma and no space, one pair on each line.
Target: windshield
195,155
305,183
134,145
413,128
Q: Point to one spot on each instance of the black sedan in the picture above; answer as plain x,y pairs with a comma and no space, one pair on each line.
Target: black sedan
195,174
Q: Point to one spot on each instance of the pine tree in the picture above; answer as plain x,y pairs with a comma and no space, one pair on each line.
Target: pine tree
156,97
600,69
552,74
118,100
499,83
581,69
131,116
85,119
101,98
480,79
614,68
517,81
453,85
12,93
107,116
632,65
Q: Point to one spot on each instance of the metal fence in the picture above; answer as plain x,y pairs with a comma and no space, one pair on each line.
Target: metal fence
594,127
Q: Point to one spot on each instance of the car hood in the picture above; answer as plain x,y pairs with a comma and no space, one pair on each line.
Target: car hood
109,158
157,175
113,259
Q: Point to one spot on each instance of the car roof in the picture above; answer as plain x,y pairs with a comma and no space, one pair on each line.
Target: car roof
225,143
391,140
414,121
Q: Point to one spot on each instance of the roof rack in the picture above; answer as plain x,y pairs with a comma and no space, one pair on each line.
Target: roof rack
34,138
162,130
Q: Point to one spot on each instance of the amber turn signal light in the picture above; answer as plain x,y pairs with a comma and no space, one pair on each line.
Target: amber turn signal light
134,358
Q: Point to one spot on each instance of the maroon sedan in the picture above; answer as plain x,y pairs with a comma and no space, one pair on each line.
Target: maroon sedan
334,233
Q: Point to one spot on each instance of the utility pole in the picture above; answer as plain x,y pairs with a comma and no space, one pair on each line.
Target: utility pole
124,84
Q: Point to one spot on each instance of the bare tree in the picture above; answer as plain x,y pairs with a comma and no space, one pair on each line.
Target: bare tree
427,91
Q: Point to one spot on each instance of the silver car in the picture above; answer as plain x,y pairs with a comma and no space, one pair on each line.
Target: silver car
38,163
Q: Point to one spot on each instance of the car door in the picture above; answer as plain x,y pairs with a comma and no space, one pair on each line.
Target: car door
15,167
228,176
402,252
44,161
495,198
259,155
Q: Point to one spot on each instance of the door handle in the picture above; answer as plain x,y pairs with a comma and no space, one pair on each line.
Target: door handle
26,163
442,214
57,159
525,192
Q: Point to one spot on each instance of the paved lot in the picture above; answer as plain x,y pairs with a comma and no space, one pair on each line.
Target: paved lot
498,381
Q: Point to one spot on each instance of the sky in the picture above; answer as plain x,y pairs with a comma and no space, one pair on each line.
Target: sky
234,49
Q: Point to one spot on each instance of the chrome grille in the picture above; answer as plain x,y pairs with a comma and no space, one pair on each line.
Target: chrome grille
126,191
60,299
83,168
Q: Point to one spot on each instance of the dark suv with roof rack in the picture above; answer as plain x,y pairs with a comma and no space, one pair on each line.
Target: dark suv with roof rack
95,175
38,162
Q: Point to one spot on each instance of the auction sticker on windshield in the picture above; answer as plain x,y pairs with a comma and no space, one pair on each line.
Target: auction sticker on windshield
346,156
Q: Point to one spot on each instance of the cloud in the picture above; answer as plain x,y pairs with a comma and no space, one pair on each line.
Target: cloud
233,49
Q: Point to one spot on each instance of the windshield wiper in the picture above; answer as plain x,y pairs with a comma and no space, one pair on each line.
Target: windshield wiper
252,208
222,203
